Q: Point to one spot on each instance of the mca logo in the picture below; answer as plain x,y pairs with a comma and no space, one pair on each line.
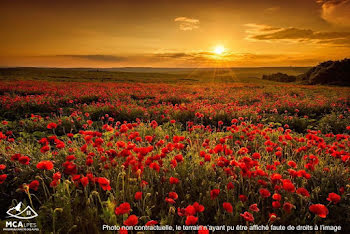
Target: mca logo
21,213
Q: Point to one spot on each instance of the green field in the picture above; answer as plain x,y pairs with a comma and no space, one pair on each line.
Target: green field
166,75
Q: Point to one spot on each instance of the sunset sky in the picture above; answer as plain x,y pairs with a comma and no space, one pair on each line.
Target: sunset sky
179,33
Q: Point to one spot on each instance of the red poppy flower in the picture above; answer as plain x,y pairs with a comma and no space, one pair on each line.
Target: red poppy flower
34,185
173,195
272,217
138,196
207,158
24,160
288,186
256,156
287,207
173,163
54,183
2,178
69,168
190,210
155,166
104,183
123,230
303,191
333,197
228,207
275,177
278,154
203,230
248,216
143,183
43,141
214,193
173,180
243,198
179,158
264,192
292,164
76,178
319,210
276,197
254,207
269,149
230,186
57,176
2,167
191,220
123,208
132,220
181,211
276,204
198,207
44,149
70,158
60,144
84,181
170,200
52,126
151,223
45,165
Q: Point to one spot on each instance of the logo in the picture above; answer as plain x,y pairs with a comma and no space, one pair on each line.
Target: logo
24,214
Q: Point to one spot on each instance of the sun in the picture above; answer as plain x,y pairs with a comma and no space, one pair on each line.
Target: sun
219,49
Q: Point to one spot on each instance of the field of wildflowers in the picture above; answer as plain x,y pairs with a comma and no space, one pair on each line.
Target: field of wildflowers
87,154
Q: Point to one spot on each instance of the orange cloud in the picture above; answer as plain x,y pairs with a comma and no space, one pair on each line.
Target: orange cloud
187,24
272,9
96,57
336,11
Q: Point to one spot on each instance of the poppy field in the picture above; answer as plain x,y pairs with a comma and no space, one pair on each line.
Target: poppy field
85,154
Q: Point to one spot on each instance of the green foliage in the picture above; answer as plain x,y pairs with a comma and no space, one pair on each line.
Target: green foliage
334,123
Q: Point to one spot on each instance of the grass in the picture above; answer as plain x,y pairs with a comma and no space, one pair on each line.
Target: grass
187,76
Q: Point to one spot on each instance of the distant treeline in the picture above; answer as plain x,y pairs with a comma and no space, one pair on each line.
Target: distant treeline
329,72
280,77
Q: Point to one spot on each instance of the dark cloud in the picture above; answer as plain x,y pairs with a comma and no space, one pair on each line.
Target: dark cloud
258,32
97,57
237,59
332,2
171,55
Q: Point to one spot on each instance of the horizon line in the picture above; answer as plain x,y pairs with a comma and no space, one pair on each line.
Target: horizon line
154,67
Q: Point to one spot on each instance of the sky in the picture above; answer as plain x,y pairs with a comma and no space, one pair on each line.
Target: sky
173,33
